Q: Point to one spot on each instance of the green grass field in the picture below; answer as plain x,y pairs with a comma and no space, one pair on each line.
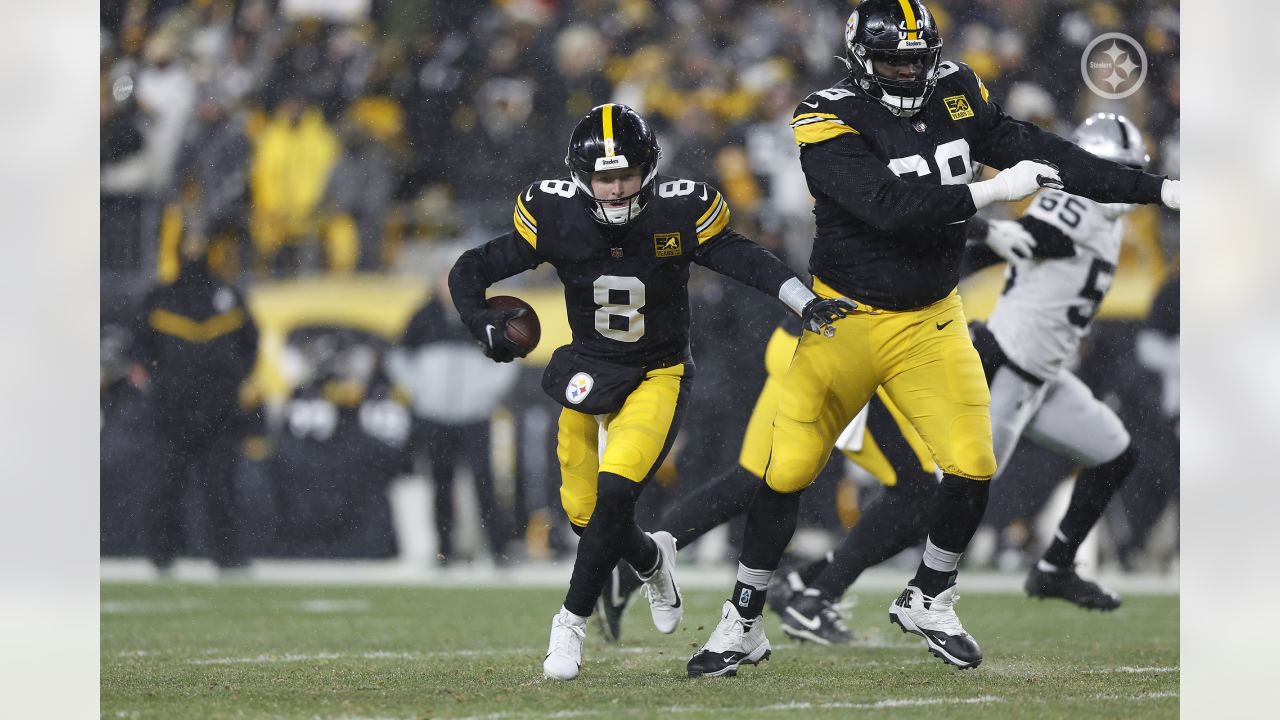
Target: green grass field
263,651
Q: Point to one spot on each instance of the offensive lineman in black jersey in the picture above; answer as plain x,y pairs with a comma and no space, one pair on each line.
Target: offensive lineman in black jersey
621,239
888,155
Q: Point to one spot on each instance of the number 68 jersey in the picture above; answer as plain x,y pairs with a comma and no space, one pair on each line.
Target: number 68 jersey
626,287
1049,300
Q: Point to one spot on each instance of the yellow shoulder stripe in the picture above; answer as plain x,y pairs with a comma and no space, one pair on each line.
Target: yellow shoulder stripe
182,327
986,96
525,223
820,131
809,116
714,220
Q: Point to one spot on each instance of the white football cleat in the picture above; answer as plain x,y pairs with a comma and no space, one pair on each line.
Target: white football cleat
935,620
665,604
735,641
564,652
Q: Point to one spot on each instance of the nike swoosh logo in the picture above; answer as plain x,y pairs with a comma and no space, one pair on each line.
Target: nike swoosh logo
942,325
528,196
813,624
814,105
488,331
940,641
704,191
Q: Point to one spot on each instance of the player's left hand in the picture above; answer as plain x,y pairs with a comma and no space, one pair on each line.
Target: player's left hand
1171,194
821,312
1010,240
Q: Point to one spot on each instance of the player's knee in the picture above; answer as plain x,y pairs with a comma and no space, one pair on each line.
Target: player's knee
973,456
578,508
790,475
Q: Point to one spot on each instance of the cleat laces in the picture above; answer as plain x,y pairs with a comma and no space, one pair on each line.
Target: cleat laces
941,614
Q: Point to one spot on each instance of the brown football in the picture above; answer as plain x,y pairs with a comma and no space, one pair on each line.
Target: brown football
524,331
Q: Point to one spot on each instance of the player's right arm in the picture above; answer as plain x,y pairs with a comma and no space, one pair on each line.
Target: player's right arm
839,163
502,257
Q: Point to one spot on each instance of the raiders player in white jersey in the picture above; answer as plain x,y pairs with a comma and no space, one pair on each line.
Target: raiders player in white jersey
1058,273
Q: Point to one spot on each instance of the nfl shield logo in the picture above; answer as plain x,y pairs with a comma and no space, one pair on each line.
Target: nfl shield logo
615,252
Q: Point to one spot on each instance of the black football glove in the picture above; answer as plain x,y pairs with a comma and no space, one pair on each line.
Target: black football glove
489,328
820,312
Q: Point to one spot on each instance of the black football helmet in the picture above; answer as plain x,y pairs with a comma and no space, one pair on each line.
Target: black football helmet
893,31
613,137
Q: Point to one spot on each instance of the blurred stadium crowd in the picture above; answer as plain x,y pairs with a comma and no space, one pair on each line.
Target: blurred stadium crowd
309,140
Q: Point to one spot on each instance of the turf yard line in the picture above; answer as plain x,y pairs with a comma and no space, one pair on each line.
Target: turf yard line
322,606
884,704
1134,670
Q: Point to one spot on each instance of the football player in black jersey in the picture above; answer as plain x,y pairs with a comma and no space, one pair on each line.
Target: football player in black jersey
621,239
888,154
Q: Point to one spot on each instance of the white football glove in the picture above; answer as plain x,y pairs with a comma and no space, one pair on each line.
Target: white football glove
1015,183
1009,240
1171,194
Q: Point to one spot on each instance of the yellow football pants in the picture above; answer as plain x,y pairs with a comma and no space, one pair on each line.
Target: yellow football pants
757,441
928,368
636,439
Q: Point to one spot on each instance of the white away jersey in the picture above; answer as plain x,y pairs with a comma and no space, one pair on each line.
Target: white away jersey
1048,302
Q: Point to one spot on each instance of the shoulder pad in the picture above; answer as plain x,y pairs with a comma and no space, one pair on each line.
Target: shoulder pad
535,202
818,118
699,199
961,77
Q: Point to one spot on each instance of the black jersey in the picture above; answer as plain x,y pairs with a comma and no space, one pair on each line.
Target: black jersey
626,289
889,191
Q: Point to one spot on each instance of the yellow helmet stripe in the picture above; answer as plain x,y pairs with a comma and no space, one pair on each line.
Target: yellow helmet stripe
910,14
607,116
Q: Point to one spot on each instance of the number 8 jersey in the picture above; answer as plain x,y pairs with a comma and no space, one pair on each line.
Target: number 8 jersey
625,288
1049,300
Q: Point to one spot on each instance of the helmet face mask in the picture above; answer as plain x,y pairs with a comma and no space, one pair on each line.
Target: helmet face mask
611,138
882,36
1113,137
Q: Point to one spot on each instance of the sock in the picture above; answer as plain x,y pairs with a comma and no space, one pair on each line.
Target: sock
609,532
771,521
749,591
957,512
814,570
643,555
1094,489
710,505
896,521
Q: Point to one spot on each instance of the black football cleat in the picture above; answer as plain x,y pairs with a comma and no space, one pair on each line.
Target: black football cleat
935,620
782,588
736,641
1067,585
812,617
613,600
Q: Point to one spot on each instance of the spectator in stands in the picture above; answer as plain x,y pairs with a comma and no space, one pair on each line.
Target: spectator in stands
214,159
454,390
197,342
292,158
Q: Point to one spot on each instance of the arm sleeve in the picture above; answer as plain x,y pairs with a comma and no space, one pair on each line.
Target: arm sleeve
480,267
731,254
1006,141
846,170
1051,242
977,255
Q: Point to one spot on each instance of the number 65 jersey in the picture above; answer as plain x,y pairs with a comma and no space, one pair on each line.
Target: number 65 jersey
626,287
1049,299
